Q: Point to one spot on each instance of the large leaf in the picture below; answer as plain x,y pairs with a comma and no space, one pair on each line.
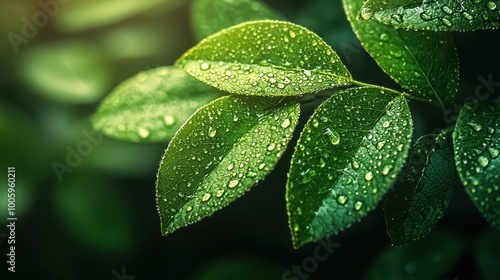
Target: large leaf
346,159
210,16
423,62
429,258
152,106
477,148
269,58
442,15
422,192
218,154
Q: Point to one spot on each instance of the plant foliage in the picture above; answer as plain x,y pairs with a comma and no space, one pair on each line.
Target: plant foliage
355,148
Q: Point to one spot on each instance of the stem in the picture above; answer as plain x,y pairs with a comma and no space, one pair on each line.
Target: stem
358,83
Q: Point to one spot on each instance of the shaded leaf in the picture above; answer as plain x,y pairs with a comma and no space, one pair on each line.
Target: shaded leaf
241,268
346,159
94,213
428,258
210,16
443,15
476,142
218,154
152,106
487,254
422,192
269,58
422,62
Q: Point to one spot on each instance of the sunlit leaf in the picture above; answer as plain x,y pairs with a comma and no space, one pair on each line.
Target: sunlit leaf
346,159
477,148
423,62
82,15
210,16
422,192
220,153
443,15
270,58
66,72
152,106
428,258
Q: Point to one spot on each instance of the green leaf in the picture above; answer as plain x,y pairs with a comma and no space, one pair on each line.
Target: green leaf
429,258
346,159
422,62
487,254
94,212
422,192
78,16
70,72
152,106
476,142
443,15
220,153
268,58
210,16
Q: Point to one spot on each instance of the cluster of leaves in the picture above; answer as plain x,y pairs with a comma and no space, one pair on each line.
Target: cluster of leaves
231,105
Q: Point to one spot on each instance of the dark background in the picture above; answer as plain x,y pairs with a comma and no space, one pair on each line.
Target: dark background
101,218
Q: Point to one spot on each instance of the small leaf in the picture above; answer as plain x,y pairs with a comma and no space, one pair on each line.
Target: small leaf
346,159
268,58
443,15
477,148
422,62
210,16
429,258
152,106
218,154
422,192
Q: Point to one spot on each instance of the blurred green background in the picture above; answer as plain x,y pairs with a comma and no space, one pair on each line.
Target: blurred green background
101,218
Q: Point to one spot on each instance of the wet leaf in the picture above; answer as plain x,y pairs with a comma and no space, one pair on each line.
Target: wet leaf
210,16
152,106
422,62
268,58
220,153
428,258
346,159
422,192
443,15
477,148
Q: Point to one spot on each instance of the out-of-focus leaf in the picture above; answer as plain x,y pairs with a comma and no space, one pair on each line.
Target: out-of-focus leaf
487,254
82,15
241,268
347,157
428,258
220,153
476,142
268,58
422,192
70,72
152,106
210,16
94,213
